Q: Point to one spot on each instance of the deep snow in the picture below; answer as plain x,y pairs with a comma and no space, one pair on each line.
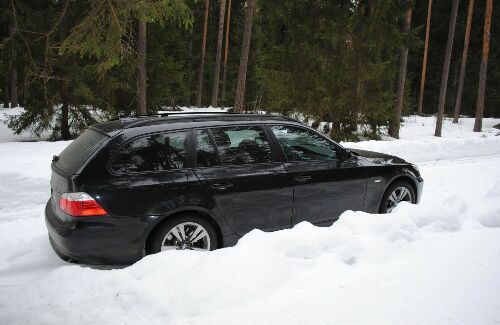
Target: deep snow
434,263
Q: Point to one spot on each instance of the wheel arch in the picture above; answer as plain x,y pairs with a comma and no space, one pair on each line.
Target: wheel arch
190,210
400,177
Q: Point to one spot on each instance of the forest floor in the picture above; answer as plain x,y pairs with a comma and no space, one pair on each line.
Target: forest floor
433,263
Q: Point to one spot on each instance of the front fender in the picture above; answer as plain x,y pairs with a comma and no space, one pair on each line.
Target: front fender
380,178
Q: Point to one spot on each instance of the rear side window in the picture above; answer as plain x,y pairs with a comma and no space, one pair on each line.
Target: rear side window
74,156
242,145
152,153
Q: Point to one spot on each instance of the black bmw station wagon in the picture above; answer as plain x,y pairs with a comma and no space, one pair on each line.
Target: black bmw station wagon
141,185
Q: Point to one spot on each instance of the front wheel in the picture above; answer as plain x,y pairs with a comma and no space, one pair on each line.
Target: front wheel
188,232
399,191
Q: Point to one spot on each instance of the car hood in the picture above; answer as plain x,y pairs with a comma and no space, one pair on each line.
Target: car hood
377,157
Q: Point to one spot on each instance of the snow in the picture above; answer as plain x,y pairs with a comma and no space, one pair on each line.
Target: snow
6,134
433,263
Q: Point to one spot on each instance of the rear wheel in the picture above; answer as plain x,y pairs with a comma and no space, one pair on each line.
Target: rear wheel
187,232
399,191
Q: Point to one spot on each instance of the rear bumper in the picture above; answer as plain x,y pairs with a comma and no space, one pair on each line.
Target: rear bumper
96,240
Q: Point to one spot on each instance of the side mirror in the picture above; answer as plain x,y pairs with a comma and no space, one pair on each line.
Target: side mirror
345,154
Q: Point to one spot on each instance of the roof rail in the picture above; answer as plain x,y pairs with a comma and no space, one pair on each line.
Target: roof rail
164,114
147,119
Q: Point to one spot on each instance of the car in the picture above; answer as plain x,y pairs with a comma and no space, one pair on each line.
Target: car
145,184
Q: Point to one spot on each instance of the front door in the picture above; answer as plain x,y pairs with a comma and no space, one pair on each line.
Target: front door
250,188
324,185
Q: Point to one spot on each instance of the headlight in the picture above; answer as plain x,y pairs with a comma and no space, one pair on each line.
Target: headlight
415,167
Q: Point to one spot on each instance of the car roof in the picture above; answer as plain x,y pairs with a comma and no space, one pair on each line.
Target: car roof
173,120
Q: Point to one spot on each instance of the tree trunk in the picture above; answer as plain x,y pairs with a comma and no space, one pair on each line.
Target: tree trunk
65,134
13,80
189,94
461,79
141,71
13,66
202,61
6,84
224,73
424,64
190,45
403,60
446,69
239,100
220,34
478,124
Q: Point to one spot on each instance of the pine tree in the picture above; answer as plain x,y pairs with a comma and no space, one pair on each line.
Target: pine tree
458,101
239,101
220,34
424,64
446,69
199,91
478,123
141,67
403,59
226,50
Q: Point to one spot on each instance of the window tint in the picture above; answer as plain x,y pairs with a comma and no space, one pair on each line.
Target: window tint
242,145
75,155
152,153
301,144
205,152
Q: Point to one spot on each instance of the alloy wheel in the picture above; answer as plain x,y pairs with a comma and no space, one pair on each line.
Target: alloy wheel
399,194
186,236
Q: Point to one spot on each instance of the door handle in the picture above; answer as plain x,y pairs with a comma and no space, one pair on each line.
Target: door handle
222,186
302,178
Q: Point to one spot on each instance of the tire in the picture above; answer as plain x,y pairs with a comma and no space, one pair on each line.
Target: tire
397,188
184,233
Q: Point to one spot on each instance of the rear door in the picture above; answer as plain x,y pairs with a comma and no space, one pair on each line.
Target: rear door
324,185
247,183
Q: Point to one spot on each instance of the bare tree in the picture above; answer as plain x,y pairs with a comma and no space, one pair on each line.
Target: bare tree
215,86
6,95
424,64
478,123
65,133
202,61
13,64
141,69
224,73
403,60
446,69
239,99
458,101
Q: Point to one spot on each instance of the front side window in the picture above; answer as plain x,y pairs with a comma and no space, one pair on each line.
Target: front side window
241,145
205,150
302,145
152,153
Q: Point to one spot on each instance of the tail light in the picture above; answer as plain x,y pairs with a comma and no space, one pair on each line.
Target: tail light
80,204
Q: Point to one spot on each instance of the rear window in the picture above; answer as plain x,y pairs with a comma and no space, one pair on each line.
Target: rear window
75,155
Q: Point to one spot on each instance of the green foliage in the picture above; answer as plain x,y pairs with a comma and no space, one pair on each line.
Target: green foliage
337,63
107,31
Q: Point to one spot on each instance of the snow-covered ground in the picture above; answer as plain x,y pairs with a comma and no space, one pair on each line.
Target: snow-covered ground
434,263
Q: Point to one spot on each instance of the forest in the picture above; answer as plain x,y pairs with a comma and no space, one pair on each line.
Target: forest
357,66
